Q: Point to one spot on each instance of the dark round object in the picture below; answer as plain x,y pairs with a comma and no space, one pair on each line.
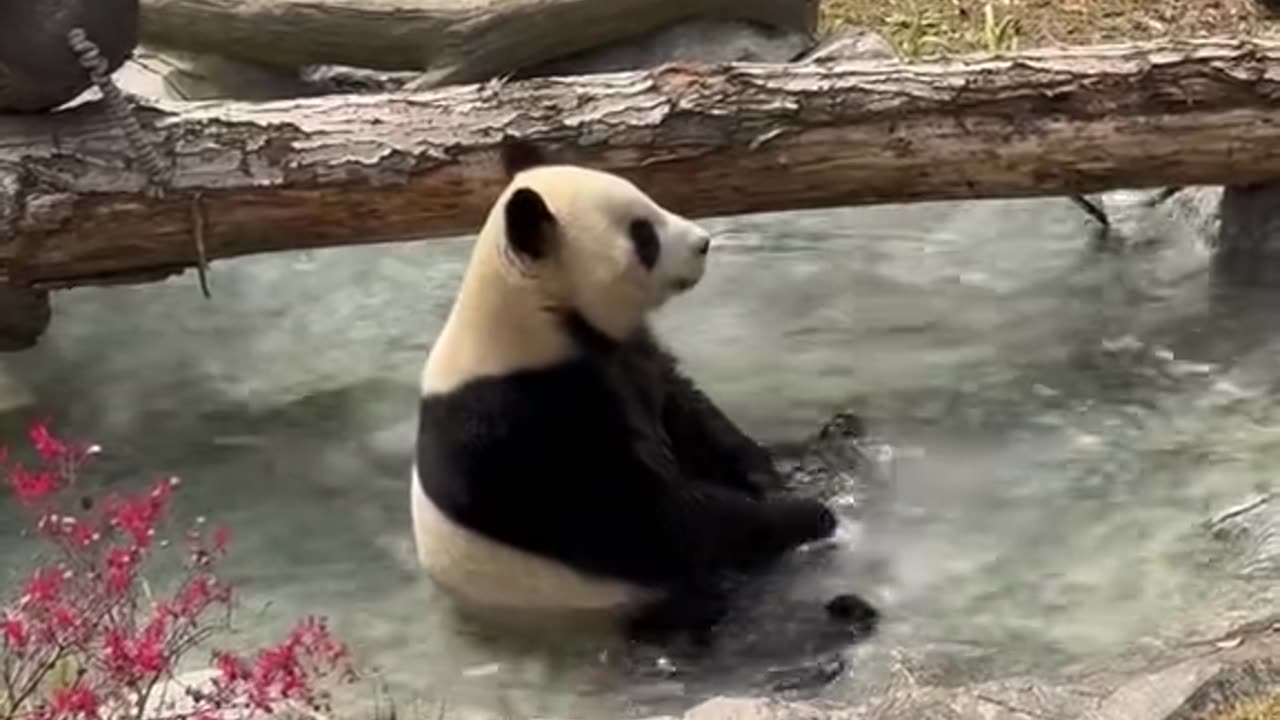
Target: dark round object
852,609
24,316
38,70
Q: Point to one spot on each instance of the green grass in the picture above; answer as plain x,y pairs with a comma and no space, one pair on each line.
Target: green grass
920,28
1267,708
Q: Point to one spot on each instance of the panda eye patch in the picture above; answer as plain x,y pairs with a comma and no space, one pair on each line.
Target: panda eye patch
644,238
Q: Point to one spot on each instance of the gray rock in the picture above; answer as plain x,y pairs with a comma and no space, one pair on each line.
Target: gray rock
1241,223
1248,243
1271,6
1180,682
751,709
347,79
25,317
702,41
1198,207
850,44
179,75
839,458
38,71
1247,537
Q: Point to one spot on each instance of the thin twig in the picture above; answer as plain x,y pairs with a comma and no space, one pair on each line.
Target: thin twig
33,683
197,233
1164,195
1241,509
1092,209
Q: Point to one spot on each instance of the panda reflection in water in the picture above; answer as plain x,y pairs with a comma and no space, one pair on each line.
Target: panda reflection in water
564,466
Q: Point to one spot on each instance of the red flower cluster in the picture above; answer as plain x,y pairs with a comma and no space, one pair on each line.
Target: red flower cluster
89,610
281,673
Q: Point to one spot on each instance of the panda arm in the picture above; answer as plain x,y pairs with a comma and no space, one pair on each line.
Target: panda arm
705,441
695,535
547,463
635,516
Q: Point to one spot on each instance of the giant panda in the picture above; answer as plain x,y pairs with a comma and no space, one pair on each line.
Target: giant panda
564,465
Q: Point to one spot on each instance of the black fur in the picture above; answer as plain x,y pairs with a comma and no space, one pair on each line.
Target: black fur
644,240
614,462
530,224
572,462
705,442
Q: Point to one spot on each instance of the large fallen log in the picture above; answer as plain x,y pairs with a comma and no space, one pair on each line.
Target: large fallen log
457,42
281,175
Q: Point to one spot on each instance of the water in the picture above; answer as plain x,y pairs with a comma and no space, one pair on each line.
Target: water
1063,422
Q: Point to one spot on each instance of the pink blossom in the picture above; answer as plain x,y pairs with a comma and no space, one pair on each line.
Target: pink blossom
221,537
120,563
15,634
49,447
75,701
45,585
29,486
90,607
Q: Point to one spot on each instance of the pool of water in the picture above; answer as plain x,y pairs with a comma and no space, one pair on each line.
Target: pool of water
1062,421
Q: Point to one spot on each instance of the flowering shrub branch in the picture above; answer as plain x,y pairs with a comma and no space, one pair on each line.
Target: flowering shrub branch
85,638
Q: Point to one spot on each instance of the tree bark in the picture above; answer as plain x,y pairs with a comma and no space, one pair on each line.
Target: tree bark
704,141
457,41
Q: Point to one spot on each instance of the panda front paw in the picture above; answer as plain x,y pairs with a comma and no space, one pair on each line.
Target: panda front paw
755,479
801,520
853,610
760,476
757,485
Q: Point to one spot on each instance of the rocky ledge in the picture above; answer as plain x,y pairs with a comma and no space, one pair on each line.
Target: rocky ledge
1193,680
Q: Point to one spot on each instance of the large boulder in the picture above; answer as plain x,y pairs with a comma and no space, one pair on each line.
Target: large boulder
38,70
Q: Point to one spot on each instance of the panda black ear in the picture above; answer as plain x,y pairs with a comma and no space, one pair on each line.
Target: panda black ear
530,225
520,155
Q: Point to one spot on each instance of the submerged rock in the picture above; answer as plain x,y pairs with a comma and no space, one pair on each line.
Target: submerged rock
1246,537
840,463
1240,223
1188,681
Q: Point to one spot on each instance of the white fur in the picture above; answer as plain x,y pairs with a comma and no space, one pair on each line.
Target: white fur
499,322
493,578
503,320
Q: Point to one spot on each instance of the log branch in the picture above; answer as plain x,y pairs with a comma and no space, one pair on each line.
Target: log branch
458,42
705,141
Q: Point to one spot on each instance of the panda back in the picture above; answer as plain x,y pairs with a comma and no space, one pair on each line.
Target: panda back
501,581
498,487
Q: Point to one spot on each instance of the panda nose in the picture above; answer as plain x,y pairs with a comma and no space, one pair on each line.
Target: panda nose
702,245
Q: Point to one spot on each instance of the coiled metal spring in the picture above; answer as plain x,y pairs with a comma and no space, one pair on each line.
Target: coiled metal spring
90,58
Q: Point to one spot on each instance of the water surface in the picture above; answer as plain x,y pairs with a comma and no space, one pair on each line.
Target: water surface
1063,422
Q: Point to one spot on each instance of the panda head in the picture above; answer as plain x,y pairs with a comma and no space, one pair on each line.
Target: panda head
592,244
